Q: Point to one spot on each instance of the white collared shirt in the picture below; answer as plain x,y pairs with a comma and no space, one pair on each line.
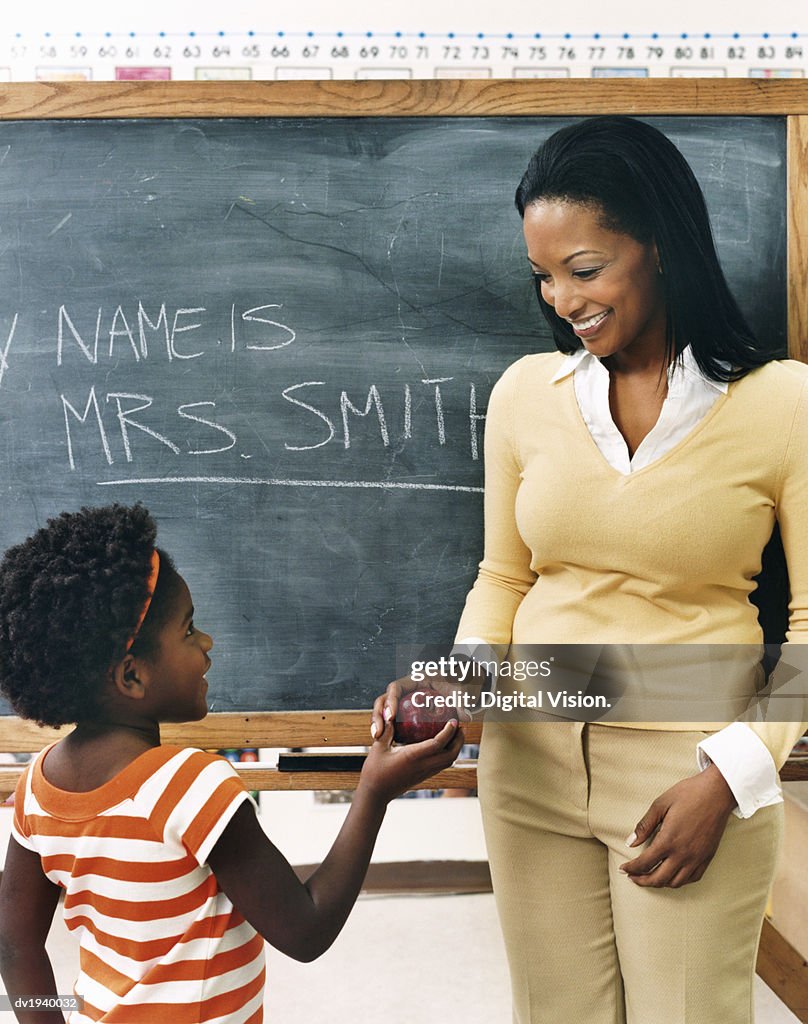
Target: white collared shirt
690,397
739,753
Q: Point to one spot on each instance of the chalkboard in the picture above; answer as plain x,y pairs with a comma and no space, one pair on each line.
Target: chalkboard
280,335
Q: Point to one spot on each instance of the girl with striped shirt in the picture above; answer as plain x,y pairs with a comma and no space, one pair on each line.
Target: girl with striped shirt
169,879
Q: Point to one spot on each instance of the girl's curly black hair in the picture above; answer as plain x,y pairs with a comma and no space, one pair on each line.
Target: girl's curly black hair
70,597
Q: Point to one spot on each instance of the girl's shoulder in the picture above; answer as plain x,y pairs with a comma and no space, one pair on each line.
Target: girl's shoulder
151,772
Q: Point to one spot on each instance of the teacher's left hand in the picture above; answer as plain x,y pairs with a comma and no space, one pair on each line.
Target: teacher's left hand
681,829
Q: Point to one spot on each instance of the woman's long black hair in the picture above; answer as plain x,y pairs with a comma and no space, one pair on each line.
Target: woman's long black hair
640,184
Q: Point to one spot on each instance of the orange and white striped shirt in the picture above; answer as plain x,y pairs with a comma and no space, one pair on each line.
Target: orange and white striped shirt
159,940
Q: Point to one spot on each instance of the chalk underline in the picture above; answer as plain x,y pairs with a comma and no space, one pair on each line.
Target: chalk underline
378,485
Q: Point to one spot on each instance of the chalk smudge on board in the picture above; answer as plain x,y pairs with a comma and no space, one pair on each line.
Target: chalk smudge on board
61,224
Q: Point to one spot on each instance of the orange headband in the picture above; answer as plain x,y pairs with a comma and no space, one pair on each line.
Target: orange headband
151,583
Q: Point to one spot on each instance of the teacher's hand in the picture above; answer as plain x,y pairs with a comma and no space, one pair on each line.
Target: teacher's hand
386,705
681,829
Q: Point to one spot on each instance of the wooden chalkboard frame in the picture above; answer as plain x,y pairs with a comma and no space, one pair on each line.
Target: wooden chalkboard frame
780,966
472,98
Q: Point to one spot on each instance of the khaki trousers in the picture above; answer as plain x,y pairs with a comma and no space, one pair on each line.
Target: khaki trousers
585,945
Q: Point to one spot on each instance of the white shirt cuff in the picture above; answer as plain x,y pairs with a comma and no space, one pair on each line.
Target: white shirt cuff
746,764
478,650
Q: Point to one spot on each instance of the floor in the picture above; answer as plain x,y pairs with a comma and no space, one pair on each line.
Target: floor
399,960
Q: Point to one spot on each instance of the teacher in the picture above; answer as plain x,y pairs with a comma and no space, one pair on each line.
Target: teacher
633,479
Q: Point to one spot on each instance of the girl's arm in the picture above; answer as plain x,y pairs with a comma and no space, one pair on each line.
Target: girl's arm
302,919
27,904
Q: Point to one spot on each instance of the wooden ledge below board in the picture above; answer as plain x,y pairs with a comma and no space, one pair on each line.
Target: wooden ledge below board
459,776
284,730
223,731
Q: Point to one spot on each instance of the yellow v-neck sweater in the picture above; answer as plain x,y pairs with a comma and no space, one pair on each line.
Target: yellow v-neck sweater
577,553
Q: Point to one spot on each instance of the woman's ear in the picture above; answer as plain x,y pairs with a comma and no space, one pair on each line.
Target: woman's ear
126,678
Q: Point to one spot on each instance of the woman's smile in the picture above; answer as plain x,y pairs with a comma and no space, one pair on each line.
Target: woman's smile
589,327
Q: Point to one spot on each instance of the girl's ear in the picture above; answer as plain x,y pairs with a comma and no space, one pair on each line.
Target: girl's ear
127,680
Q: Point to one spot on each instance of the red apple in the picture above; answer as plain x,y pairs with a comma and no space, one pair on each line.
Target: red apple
416,723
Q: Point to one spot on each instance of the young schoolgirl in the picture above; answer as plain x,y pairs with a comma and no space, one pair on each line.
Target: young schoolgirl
169,879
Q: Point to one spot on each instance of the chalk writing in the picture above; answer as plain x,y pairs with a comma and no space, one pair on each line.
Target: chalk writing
111,423
310,408
360,485
248,317
374,401
5,349
71,332
133,411
125,420
346,405
181,411
92,401
125,415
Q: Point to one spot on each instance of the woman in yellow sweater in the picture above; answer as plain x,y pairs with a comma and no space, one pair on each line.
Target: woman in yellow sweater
632,482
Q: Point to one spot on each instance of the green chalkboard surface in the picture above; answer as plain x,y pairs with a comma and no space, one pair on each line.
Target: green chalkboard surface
280,335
